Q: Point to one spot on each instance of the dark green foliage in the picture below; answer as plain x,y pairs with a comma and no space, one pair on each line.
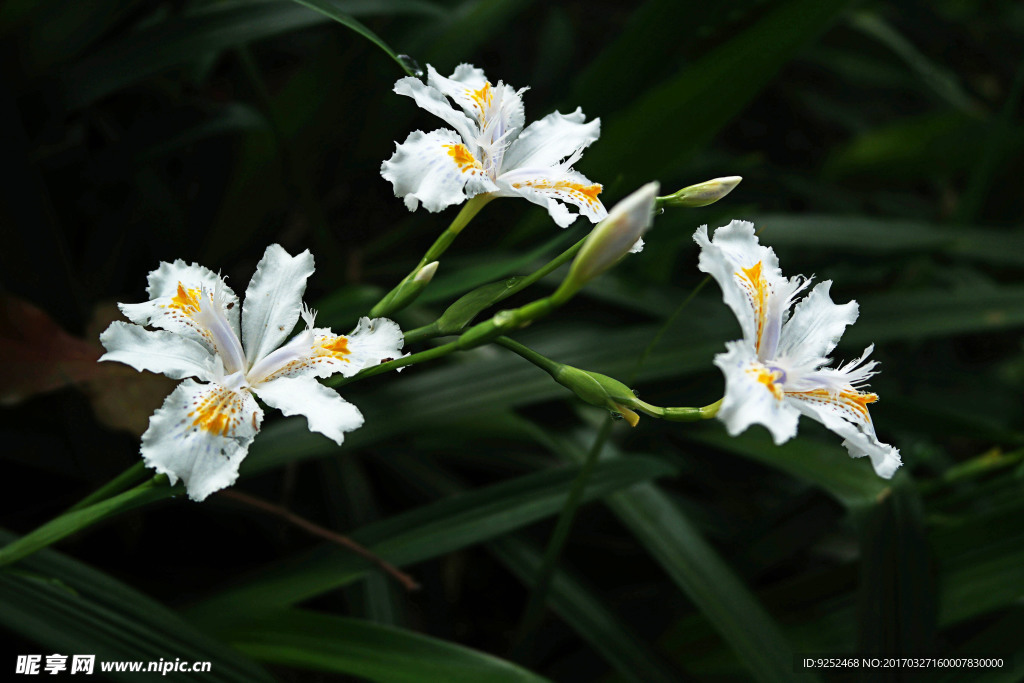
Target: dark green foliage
881,147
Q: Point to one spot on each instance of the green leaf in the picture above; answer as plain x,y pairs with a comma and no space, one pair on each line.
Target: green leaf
172,43
424,533
658,131
678,546
942,82
68,607
860,235
62,526
467,307
1001,639
981,558
924,314
897,602
586,613
378,653
340,11
828,466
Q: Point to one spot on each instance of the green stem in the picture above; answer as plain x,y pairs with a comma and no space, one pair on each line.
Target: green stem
542,362
440,245
424,333
115,485
70,522
542,584
435,329
429,354
551,265
679,414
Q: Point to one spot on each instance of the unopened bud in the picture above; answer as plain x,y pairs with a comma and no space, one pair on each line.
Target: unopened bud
426,273
613,238
599,390
406,292
701,194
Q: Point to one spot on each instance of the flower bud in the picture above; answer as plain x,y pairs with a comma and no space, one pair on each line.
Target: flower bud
406,292
613,238
701,194
426,273
599,390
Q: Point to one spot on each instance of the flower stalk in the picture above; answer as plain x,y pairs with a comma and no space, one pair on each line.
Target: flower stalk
408,290
70,522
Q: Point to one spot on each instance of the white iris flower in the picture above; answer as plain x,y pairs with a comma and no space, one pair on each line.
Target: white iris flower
780,368
203,431
489,151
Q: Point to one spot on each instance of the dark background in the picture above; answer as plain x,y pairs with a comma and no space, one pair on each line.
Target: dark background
880,145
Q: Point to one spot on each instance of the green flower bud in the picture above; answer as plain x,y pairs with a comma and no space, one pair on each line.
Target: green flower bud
599,390
701,194
406,292
613,238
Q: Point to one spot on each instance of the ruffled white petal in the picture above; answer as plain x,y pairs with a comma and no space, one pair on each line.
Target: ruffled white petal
318,352
556,190
194,302
325,411
437,169
851,422
497,110
156,351
163,283
751,397
273,300
431,99
552,139
751,281
201,435
465,79
375,340
852,374
816,325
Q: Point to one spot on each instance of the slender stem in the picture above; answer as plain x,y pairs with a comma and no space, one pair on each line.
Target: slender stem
407,581
551,265
542,584
680,413
440,245
542,362
668,323
429,354
115,485
435,329
418,334
151,491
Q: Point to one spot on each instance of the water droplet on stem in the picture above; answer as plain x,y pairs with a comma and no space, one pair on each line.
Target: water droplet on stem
411,66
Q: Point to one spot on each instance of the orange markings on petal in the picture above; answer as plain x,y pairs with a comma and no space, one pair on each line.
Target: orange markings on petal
482,98
769,378
463,158
752,280
579,191
186,299
215,412
336,347
850,399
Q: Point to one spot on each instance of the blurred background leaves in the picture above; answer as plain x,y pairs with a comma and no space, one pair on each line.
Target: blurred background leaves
881,147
